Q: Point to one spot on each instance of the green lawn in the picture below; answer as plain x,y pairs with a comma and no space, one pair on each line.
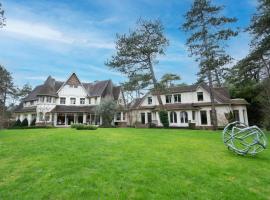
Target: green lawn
127,164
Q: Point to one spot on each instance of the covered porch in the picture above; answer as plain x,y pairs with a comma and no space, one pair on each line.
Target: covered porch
66,119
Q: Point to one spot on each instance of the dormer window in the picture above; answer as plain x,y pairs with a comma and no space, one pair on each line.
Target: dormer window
168,98
73,101
149,100
200,96
177,98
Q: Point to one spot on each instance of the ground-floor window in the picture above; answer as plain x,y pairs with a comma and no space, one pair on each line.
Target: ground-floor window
173,117
236,115
194,115
143,118
118,116
203,117
184,117
149,117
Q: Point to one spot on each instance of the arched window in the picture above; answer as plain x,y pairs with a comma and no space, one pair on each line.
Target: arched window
184,117
173,117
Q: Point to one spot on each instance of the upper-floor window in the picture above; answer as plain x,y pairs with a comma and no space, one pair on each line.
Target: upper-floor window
31,103
200,96
62,100
72,100
54,99
49,99
177,98
95,100
120,101
82,100
42,99
149,100
168,98
73,86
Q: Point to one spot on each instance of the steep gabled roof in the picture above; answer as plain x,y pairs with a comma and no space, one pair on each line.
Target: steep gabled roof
116,92
97,88
51,87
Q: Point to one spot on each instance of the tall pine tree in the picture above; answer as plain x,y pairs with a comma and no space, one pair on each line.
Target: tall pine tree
208,31
137,51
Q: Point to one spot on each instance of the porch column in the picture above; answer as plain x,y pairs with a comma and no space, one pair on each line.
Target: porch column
55,119
100,121
74,118
65,119
50,120
84,118
29,119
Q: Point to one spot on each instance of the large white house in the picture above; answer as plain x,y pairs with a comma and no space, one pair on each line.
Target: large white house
188,104
63,103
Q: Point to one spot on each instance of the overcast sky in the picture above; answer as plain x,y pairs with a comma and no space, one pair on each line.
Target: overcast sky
48,37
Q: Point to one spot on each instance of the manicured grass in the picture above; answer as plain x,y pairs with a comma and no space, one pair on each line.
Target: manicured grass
127,164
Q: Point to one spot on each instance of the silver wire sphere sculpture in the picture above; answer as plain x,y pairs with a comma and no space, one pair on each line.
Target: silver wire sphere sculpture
244,140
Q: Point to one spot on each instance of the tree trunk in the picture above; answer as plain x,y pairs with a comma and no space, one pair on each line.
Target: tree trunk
155,83
217,78
213,110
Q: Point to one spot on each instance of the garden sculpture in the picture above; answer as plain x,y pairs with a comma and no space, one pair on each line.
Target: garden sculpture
244,140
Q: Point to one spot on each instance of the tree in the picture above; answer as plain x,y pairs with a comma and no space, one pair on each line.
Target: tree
107,109
207,41
21,93
168,79
137,51
2,17
249,78
6,90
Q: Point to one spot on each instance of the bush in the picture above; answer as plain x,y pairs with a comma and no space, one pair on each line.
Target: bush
17,123
86,127
152,125
163,115
24,122
33,123
76,125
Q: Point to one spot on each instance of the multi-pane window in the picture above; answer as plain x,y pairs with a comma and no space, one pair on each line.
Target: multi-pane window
149,100
168,98
193,115
173,117
118,116
236,115
72,100
200,96
62,100
177,98
184,117
149,117
82,100
42,99
143,118
203,117
49,99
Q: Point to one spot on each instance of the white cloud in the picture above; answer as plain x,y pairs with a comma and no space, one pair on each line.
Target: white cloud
45,32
